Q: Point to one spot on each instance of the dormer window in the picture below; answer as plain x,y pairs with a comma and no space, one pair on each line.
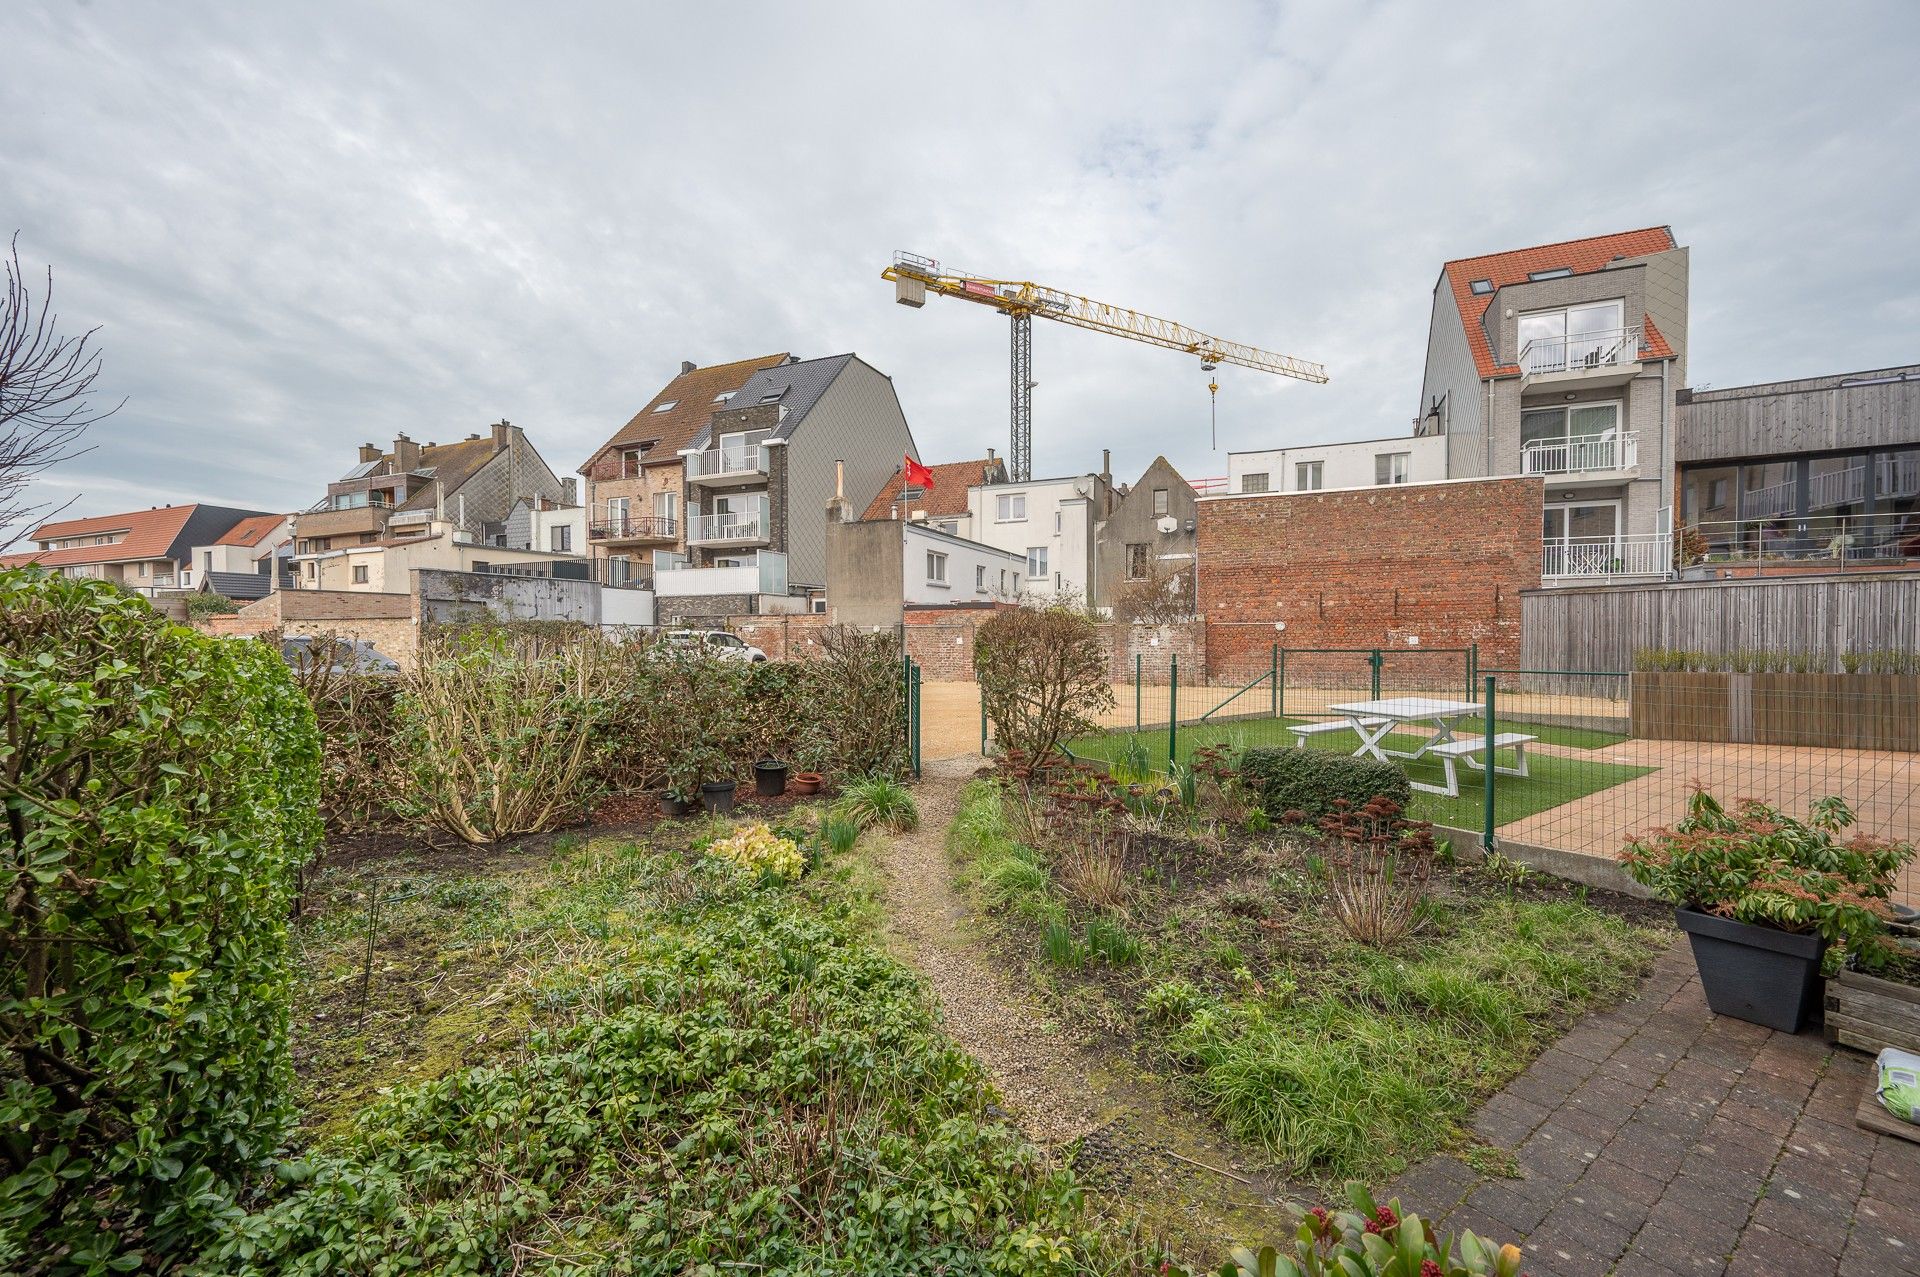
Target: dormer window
771,396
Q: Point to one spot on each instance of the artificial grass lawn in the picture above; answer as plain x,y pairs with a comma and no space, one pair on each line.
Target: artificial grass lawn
1553,781
1336,1059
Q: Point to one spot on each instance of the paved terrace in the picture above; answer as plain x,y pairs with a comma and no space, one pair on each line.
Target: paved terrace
1658,1139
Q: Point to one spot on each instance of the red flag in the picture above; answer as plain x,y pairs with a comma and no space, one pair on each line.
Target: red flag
918,474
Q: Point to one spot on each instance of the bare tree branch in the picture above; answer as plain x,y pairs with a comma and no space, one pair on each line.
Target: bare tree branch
46,381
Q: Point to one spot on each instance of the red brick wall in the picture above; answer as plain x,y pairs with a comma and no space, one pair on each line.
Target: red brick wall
782,638
1443,562
940,640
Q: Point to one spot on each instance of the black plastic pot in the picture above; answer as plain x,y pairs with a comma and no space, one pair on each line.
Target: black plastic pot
1759,974
717,797
769,778
671,806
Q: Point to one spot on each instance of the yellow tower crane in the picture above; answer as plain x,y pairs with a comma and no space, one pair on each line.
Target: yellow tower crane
1020,300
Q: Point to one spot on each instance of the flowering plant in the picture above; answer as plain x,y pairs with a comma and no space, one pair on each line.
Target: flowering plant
758,848
1756,865
1372,1240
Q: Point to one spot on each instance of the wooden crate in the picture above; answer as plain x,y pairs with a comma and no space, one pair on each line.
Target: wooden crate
1871,1014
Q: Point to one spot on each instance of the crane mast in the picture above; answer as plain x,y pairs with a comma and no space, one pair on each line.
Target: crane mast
914,277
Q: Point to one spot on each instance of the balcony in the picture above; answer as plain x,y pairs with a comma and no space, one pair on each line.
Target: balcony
1609,357
1805,543
1606,454
765,574
349,522
634,530
728,467
1628,554
747,527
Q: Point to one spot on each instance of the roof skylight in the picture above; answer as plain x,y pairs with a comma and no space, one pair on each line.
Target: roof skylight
1558,272
1481,287
671,403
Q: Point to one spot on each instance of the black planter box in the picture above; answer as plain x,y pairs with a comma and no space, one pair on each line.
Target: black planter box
1758,974
717,797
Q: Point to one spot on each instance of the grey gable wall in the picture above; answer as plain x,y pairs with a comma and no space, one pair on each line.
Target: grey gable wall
1451,373
858,420
515,472
1133,523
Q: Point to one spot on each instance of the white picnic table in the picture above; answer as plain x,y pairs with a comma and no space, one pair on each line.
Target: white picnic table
1373,720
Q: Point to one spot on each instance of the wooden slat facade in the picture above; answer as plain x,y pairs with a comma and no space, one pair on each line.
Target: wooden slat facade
1600,628
1787,418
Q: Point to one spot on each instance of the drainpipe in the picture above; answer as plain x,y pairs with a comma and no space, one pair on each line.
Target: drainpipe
1486,432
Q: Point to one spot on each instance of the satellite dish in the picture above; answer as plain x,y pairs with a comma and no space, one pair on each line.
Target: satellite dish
1168,523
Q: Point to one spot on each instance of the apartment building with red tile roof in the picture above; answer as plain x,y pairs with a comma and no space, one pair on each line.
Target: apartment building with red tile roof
1563,361
148,551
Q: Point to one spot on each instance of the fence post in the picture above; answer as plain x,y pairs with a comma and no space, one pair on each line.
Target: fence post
1173,708
1273,676
1376,660
1486,812
1473,669
916,722
1280,685
1136,693
983,723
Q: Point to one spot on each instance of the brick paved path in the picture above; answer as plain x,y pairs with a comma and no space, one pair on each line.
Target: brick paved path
1657,1139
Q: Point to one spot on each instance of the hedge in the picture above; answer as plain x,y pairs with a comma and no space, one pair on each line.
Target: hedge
1309,780
160,792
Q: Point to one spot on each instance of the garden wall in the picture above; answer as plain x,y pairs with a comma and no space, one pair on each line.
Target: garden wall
1834,711
384,620
1444,563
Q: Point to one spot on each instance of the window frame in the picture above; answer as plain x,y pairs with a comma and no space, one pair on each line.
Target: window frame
1037,565
1004,505
1265,484
1404,466
1316,469
1138,550
937,569
1162,503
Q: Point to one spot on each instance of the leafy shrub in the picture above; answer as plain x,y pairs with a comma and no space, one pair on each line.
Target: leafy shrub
1174,1001
1372,1240
758,848
1761,866
1043,676
161,791
500,733
855,710
201,605
1376,867
878,800
1311,781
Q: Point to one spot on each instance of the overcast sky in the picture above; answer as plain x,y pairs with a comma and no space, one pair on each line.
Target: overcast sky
304,226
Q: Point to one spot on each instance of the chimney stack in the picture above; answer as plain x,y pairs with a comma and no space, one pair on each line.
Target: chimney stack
406,454
839,510
502,432
839,478
687,366
369,452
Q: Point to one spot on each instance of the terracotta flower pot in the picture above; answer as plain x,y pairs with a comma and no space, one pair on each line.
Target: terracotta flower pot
807,782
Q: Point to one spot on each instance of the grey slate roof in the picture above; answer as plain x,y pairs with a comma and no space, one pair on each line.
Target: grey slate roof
801,386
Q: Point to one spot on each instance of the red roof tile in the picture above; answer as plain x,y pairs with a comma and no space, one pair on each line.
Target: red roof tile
143,534
947,497
1581,256
249,531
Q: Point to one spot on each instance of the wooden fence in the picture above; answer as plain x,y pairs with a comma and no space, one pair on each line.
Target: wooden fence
1601,627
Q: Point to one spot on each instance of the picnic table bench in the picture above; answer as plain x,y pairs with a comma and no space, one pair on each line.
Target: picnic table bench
1465,749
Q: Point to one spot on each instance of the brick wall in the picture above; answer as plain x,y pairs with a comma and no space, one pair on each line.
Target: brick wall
1441,562
384,620
1156,647
782,638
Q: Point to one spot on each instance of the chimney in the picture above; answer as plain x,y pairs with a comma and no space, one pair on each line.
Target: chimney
369,452
569,493
1106,465
687,366
839,510
502,432
406,454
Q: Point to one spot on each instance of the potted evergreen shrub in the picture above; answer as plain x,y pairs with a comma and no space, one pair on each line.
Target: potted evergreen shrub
1762,896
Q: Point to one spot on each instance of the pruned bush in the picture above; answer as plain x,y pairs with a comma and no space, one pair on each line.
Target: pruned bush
1376,868
161,791
1042,675
500,733
362,764
1311,781
855,715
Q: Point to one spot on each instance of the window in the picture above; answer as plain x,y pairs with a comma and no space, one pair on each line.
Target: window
359,574
1307,475
1588,335
671,403
1136,561
1558,272
1254,482
980,578
949,527
770,396
1391,467
1481,287
617,515
1003,581
724,395
368,538
619,570
313,569
1159,502
1010,507
143,569
1580,437
666,508
630,462
1036,561
1057,525
561,539
936,568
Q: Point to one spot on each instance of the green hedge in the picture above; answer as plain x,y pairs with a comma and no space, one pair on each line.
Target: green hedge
161,792
1309,780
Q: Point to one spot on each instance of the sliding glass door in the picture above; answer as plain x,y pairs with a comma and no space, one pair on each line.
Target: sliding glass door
1582,538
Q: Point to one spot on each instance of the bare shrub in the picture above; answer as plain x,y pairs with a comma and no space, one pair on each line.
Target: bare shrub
1043,676
1165,596
362,768
855,716
1376,868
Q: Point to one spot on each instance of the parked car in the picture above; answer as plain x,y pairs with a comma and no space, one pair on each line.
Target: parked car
349,656
730,647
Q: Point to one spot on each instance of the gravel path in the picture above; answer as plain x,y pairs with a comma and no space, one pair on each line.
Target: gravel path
1136,1144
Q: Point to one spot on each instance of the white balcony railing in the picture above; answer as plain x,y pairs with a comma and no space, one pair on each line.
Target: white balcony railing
1630,554
749,525
715,463
765,574
1610,451
1578,352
